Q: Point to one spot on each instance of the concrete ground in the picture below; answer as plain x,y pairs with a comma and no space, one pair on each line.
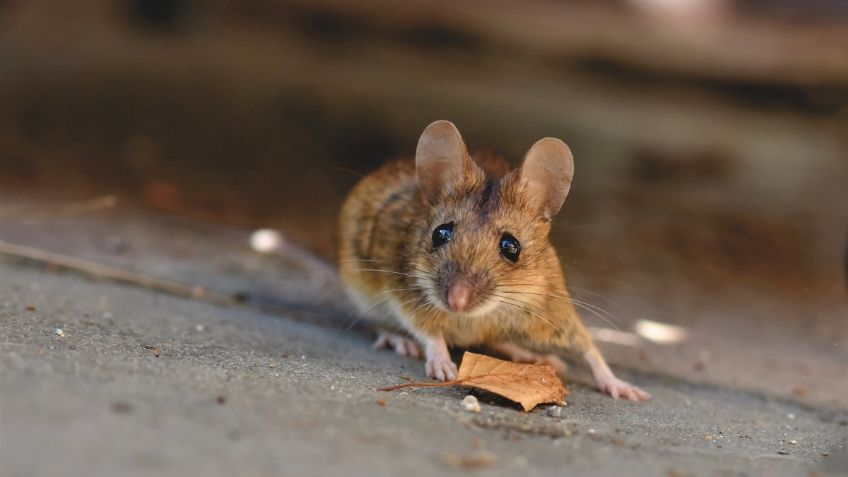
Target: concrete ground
143,383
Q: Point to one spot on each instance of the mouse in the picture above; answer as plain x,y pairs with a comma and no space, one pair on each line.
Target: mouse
451,249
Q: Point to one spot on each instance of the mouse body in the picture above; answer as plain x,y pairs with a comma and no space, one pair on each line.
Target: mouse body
453,250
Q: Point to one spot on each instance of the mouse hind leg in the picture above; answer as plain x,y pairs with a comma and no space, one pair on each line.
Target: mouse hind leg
573,339
402,345
578,341
522,355
608,382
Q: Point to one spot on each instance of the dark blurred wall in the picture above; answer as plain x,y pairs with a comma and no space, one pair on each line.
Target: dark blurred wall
711,148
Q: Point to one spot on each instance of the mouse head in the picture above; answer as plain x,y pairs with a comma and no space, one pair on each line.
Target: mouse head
487,237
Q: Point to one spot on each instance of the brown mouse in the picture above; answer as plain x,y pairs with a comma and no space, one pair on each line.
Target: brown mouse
451,250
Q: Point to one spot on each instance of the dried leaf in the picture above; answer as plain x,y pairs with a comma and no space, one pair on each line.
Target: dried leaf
526,384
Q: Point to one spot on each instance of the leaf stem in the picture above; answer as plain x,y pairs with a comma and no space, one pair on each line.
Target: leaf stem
422,384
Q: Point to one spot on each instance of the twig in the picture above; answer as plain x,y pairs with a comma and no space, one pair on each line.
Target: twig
72,208
98,270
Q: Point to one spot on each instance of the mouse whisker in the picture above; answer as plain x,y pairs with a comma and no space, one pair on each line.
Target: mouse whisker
586,291
382,302
363,314
585,305
608,321
392,290
421,301
505,301
425,272
425,302
377,270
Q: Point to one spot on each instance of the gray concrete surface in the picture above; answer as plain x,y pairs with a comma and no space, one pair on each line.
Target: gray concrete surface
144,383
235,392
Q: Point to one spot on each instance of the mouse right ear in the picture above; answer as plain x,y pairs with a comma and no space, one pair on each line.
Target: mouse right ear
547,172
441,160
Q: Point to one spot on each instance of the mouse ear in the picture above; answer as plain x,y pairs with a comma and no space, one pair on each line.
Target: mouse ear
546,172
441,160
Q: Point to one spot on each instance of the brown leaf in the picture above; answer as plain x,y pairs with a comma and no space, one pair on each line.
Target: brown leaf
526,384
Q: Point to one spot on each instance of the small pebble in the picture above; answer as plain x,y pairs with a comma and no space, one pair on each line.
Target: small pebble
790,416
59,332
793,442
470,404
121,408
198,327
265,240
554,411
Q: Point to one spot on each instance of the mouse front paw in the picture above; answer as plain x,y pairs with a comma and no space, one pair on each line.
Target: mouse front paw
441,367
622,389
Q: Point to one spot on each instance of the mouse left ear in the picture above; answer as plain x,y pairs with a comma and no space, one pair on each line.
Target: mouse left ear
441,160
546,173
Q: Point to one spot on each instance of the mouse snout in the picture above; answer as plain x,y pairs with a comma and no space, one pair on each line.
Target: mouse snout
460,294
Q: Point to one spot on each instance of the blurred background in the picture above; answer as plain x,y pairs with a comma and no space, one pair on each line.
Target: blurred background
710,140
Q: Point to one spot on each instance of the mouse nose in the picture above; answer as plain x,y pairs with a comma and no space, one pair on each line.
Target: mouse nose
459,294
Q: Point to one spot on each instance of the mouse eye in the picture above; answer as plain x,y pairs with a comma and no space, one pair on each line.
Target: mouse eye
510,248
442,235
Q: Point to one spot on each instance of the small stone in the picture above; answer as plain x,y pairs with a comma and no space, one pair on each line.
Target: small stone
554,411
59,332
265,240
793,442
30,307
470,404
198,327
790,416
709,437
